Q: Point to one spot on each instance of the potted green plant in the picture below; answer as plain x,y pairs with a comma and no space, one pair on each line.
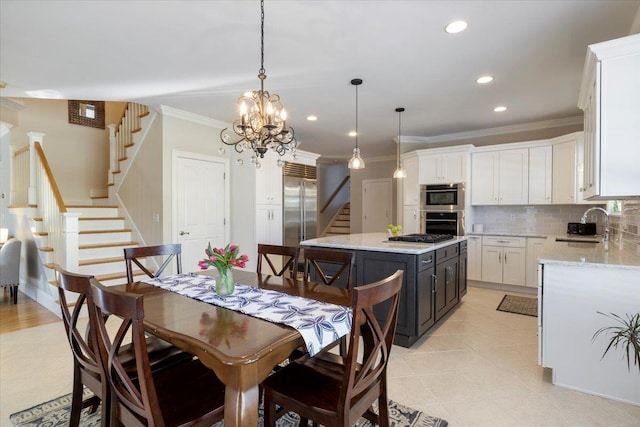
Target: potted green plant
625,335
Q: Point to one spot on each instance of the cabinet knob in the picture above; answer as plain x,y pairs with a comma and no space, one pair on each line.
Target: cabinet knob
182,233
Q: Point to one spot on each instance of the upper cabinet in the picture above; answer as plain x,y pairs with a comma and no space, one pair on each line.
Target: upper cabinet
443,168
540,175
609,97
564,172
269,180
500,177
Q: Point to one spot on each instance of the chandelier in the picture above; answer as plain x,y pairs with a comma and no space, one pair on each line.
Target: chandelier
356,161
399,172
262,124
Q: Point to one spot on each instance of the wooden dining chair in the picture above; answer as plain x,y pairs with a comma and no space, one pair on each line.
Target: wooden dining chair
88,368
336,391
290,256
183,394
133,256
319,261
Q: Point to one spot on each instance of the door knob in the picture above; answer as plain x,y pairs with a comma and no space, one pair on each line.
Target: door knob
182,233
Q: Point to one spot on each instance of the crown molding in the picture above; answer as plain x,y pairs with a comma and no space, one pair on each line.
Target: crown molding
524,127
192,117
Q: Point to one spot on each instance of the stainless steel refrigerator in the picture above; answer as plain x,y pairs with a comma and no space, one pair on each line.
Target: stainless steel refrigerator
300,203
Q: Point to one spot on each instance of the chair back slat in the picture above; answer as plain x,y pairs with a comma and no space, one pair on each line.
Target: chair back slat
290,256
343,260
133,256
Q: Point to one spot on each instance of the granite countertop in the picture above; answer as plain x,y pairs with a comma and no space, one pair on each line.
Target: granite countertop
505,234
377,242
587,254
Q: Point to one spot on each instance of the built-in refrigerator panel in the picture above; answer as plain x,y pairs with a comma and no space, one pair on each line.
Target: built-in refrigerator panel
300,203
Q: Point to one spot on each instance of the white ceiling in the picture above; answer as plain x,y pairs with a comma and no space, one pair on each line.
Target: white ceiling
199,56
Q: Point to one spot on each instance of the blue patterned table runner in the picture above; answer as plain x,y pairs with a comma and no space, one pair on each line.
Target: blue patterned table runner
319,323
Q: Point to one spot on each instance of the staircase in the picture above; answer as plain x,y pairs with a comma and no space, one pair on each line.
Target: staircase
341,223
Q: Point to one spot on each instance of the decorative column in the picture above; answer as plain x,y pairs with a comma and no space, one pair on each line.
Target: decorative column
33,192
112,153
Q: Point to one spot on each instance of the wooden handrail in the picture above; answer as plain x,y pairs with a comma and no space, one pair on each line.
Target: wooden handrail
21,150
335,193
52,181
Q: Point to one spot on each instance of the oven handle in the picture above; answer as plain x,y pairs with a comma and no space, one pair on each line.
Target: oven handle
442,220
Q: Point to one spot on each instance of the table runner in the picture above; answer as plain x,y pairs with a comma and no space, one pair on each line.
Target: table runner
318,322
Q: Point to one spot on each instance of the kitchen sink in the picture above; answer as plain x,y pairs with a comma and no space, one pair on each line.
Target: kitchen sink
577,240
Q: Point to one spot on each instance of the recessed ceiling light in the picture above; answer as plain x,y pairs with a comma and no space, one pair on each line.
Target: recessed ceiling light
484,79
500,109
312,118
352,133
456,27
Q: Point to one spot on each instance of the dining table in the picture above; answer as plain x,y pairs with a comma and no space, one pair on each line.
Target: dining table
241,349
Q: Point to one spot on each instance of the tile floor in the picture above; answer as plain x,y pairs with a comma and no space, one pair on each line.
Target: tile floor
478,368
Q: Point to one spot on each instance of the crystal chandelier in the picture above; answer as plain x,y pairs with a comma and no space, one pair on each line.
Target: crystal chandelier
262,124
356,161
399,172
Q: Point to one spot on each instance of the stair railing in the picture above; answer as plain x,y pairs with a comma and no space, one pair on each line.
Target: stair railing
33,184
335,193
121,136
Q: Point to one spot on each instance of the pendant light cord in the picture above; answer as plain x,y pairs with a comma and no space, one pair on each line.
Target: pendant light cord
356,116
262,71
399,130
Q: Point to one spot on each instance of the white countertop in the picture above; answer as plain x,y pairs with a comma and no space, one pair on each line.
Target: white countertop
377,242
587,254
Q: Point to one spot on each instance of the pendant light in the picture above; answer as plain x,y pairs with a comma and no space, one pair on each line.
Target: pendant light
399,172
356,161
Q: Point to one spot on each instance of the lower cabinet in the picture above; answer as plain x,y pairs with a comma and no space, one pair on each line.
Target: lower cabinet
422,302
446,287
504,260
534,247
462,270
474,255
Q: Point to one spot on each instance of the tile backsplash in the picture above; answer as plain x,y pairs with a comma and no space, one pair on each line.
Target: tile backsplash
624,228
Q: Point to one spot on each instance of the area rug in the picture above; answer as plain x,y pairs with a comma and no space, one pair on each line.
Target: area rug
55,413
519,305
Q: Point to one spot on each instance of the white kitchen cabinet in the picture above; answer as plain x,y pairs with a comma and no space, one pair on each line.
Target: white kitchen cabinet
503,260
534,247
410,219
269,224
410,188
474,257
269,180
540,175
609,98
443,168
500,177
564,173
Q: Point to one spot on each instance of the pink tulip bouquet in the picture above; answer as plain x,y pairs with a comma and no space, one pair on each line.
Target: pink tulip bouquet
223,258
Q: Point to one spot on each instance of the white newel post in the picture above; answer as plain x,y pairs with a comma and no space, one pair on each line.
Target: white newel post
70,229
112,152
33,192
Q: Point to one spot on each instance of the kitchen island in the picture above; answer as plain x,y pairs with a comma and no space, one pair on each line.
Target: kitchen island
435,275
577,282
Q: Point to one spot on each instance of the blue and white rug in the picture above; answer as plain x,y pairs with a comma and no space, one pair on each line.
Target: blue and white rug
55,413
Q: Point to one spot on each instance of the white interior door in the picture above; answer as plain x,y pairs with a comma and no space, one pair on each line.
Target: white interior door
376,205
201,201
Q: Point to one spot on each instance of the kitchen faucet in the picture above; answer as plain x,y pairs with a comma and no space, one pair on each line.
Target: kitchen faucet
605,239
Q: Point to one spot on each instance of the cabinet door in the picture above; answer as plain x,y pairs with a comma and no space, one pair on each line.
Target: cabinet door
564,173
411,191
430,169
540,173
534,246
374,266
454,167
446,295
514,177
410,219
269,224
269,180
474,254
590,185
513,266
484,179
462,275
492,264
425,307
451,282
276,225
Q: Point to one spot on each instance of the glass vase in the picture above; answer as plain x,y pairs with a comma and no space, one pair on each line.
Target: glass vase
224,282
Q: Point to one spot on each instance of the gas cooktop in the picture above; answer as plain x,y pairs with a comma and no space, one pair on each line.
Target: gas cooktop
422,238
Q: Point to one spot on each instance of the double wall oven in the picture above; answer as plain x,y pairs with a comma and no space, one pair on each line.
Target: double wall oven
442,209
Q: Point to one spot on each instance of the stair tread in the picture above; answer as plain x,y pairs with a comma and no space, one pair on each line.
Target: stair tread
100,261
100,218
107,245
93,206
123,230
